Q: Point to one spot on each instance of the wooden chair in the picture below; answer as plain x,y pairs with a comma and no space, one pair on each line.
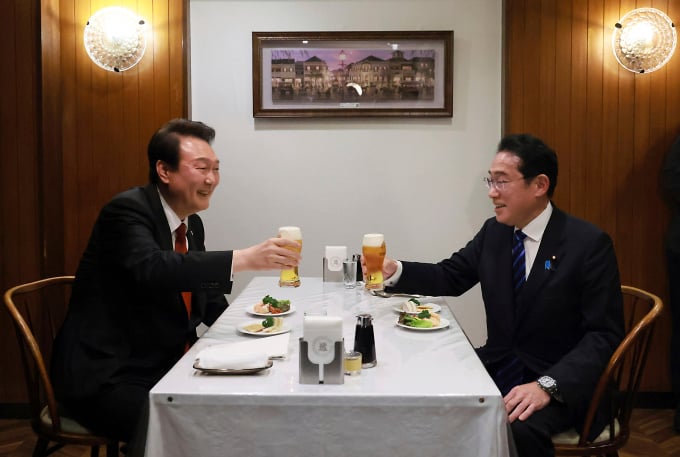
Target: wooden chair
621,378
37,310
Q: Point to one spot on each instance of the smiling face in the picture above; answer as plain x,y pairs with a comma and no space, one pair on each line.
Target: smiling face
188,188
521,200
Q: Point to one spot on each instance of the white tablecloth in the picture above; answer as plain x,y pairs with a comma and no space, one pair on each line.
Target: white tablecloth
429,394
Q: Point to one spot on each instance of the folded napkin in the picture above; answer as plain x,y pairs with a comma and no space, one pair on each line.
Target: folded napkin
335,255
222,357
244,354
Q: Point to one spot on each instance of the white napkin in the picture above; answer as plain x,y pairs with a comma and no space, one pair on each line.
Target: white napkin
222,357
236,356
334,256
321,333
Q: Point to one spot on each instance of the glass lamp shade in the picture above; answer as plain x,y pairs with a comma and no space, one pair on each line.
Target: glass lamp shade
115,38
644,40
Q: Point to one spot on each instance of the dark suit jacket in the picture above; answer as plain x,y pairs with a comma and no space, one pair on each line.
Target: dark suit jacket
126,320
568,319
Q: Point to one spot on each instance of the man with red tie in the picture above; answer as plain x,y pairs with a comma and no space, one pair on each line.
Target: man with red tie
144,284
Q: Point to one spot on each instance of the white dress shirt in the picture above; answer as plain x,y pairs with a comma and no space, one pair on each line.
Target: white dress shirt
534,233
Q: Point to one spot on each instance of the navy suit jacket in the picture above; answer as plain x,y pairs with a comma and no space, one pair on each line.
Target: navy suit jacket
126,320
566,321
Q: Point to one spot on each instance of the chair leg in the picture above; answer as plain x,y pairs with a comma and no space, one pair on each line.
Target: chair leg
40,449
112,450
94,451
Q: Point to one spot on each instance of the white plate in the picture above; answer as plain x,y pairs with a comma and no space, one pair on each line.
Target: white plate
443,323
251,310
197,366
241,329
434,308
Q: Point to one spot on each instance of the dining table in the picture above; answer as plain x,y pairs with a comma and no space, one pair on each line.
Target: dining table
428,394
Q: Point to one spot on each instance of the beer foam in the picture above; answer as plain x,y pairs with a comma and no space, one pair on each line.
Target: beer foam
374,239
290,233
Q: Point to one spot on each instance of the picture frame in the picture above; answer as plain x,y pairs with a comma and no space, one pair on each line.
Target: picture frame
352,74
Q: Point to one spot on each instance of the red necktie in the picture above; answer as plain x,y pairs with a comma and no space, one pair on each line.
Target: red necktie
181,247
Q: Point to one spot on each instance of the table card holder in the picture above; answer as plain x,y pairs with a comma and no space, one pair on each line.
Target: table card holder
332,263
322,350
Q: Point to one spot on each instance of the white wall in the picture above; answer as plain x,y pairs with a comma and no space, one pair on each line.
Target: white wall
418,181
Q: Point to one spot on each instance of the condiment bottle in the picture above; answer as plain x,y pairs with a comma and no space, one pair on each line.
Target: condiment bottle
364,341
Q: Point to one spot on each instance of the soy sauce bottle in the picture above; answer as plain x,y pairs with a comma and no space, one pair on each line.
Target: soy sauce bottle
364,341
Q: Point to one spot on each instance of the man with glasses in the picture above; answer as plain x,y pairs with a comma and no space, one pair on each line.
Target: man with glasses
551,290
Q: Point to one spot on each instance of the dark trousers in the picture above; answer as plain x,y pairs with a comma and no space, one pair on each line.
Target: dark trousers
533,437
673,265
120,412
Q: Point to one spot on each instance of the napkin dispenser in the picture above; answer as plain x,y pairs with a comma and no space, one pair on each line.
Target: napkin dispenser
332,263
322,350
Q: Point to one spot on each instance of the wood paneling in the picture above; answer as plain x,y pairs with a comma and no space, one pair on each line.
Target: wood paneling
611,129
73,135
109,117
20,218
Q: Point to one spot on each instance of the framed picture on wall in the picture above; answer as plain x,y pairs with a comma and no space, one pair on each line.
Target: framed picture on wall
353,74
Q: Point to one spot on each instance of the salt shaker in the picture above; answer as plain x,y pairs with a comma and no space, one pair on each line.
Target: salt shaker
364,341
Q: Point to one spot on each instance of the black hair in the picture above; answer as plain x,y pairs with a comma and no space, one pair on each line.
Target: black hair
164,144
535,156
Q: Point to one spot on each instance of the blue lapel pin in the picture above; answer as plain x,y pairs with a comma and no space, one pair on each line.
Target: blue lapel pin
549,263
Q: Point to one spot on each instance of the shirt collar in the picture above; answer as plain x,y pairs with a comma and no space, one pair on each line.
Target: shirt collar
534,230
173,219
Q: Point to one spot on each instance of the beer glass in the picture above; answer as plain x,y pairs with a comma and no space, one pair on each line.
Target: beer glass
289,277
373,250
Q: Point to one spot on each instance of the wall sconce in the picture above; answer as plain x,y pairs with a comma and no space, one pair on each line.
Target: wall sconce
115,38
644,40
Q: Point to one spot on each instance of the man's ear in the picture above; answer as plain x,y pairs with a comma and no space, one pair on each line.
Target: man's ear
163,171
542,184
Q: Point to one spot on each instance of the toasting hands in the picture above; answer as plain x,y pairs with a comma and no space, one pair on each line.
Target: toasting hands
271,254
389,267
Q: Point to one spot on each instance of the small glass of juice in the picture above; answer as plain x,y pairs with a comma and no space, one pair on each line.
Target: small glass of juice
352,363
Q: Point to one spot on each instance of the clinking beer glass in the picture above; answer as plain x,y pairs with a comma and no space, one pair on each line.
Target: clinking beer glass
373,250
289,277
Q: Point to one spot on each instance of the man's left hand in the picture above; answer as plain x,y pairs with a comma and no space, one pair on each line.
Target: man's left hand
524,400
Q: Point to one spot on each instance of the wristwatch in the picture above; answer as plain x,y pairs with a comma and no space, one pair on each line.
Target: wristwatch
549,385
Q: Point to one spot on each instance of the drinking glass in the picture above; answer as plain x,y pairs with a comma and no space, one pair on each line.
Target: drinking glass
373,250
352,363
289,277
349,273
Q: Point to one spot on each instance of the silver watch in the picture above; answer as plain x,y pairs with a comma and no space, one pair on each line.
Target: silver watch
548,384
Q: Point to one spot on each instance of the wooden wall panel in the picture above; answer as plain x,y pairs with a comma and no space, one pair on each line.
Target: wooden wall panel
73,135
109,117
611,129
20,216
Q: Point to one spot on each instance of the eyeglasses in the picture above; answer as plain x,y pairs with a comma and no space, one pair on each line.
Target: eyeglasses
497,184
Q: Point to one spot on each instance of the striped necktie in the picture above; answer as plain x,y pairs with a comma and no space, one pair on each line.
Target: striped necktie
519,271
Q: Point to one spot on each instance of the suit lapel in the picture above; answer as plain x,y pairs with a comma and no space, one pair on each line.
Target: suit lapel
191,238
163,234
549,254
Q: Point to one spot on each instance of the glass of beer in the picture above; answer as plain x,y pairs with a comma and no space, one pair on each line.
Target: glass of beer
289,277
373,250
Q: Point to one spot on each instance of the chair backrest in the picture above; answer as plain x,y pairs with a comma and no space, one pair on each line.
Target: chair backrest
37,310
621,378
